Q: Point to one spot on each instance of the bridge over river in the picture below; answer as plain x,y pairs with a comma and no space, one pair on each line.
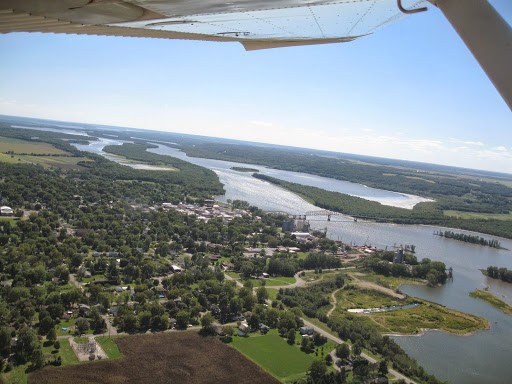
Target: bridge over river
329,214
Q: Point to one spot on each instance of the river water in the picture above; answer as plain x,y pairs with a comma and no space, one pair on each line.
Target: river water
480,358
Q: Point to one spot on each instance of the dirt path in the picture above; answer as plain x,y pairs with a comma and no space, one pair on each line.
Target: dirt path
333,296
376,287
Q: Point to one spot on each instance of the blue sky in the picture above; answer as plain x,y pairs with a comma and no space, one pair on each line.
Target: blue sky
411,91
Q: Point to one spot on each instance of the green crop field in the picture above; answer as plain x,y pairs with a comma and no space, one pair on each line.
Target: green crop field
14,151
272,353
16,146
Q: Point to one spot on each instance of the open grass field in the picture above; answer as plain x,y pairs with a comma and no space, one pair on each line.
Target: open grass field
365,298
272,352
407,321
388,281
16,146
109,346
492,299
175,357
476,215
19,375
272,293
429,316
14,151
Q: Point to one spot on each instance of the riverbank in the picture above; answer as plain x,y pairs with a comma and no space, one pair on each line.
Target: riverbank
492,299
427,213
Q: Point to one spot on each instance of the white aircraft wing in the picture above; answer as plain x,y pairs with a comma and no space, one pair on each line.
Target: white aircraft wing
256,24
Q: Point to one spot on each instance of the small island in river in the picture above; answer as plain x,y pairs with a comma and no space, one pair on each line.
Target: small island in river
243,169
492,299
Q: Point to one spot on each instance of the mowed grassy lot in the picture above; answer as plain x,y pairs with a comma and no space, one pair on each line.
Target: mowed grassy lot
273,353
19,375
109,346
172,357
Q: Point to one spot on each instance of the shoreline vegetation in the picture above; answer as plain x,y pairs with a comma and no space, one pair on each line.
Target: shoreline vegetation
492,299
503,274
426,213
473,239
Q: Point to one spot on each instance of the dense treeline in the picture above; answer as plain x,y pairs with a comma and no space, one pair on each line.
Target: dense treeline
432,271
458,193
422,213
473,239
311,299
503,274
198,177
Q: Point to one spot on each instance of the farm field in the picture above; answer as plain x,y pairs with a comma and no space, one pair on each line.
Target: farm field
275,355
185,357
16,146
14,151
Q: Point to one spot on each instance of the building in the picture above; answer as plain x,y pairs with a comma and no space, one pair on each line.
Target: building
288,225
399,257
306,330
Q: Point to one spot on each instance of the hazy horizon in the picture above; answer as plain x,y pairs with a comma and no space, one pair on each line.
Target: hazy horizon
77,125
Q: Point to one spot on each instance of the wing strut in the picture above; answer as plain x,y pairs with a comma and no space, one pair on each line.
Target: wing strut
487,35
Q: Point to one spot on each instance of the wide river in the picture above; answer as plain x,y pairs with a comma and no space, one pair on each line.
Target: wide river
480,358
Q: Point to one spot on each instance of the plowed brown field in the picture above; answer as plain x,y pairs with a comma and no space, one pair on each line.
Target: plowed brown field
176,357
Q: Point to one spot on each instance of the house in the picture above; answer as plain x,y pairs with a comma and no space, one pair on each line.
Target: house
6,211
243,329
307,330
214,258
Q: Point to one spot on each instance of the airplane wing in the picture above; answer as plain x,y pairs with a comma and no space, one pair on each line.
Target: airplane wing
259,24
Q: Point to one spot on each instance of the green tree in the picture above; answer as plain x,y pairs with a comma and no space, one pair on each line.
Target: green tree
26,345
343,351
207,323
383,367
82,325
5,341
291,337
182,319
317,372
261,295
51,335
